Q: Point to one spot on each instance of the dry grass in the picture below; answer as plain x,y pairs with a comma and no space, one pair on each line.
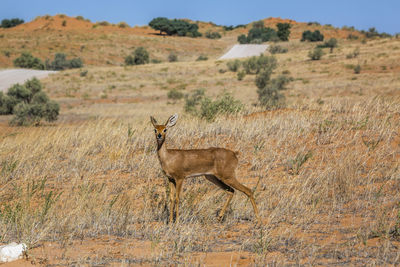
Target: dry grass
88,190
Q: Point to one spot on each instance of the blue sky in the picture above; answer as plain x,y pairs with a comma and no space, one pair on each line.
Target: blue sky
383,15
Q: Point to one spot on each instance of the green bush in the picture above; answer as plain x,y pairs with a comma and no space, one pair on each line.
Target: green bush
240,75
172,57
253,65
277,49
193,100
175,94
353,54
198,104
28,103
233,65
315,36
357,69
139,56
27,61
212,35
270,97
316,53
224,104
175,27
268,89
202,58
60,62
331,43
259,34
242,39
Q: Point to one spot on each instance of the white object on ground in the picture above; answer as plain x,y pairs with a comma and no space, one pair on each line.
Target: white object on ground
245,50
9,77
11,252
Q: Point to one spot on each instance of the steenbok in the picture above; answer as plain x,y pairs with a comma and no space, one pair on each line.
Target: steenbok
218,165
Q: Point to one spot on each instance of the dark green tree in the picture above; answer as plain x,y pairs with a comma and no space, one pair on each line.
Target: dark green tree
9,23
283,31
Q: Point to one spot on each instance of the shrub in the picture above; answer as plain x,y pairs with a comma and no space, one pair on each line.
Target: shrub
277,49
103,23
268,89
357,69
172,57
240,75
175,27
123,24
9,23
253,65
352,37
259,34
156,61
175,94
28,103
315,36
353,54
193,100
212,35
26,60
316,53
224,104
331,43
242,39
202,58
60,62
6,104
270,97
64,23
198,104
283,31
139,56
233,65
83,73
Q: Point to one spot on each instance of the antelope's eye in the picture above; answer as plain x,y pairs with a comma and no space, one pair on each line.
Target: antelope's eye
165,130
155,130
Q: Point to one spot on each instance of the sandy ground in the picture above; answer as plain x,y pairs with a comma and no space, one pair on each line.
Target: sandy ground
244,50
9,77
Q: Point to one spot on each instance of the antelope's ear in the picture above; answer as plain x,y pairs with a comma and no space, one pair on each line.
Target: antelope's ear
171,121
153,121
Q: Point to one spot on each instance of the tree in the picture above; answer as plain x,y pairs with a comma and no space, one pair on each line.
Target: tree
9,23
283,31
312,36
175,27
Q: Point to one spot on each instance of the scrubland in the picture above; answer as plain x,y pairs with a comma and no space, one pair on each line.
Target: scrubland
88,190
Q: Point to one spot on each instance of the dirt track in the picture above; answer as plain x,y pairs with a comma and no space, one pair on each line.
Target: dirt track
9,77
245,50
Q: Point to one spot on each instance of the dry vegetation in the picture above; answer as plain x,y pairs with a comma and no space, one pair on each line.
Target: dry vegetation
88,190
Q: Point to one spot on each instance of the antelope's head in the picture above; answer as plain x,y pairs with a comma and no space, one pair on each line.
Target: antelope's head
160,130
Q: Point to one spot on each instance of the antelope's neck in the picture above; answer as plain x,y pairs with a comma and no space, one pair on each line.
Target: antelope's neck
162,151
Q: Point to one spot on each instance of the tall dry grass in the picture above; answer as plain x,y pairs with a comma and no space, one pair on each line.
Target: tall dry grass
325,170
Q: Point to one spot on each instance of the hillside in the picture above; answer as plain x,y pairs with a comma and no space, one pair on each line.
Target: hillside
46,35
88,189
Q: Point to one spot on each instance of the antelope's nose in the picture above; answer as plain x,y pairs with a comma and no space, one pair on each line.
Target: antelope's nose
159,135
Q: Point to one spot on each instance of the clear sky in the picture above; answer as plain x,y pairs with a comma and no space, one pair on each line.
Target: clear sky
384,15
